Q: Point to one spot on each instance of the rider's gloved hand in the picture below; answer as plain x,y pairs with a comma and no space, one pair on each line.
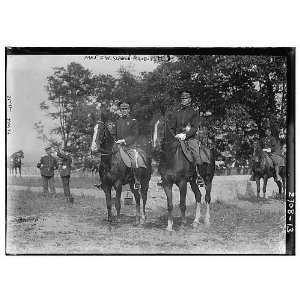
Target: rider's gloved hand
120,142
181,136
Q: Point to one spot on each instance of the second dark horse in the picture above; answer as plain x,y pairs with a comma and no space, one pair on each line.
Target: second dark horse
175,168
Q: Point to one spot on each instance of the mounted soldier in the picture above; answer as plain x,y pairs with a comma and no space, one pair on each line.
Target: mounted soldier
125,134
184,125
272,147
124,159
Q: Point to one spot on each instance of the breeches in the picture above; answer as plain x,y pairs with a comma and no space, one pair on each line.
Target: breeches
47,180
66,185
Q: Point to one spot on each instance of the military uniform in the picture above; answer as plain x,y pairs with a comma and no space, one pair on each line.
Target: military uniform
186,121
65,173
127,128
47,165
269,142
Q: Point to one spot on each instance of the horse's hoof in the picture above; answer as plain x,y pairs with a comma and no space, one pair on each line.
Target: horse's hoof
207,223
143,221
169,229
195,224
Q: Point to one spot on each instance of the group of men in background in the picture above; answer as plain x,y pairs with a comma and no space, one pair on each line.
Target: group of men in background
53,160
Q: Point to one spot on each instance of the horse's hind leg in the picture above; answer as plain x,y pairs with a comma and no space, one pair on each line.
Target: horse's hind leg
265,185
144,191
107,191
208,185
183,188
168,191
137,198
197,194
118,187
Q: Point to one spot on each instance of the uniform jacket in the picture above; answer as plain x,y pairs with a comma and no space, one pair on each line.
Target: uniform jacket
65,165
47,165
127,129
184,121
270,142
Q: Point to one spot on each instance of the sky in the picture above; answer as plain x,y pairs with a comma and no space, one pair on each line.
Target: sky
26,81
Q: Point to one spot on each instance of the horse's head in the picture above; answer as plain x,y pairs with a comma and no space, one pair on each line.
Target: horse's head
102,135
159,133
257,153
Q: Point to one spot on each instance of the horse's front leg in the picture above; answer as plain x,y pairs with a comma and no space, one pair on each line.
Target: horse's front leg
107,191
265,185
257,188
118,188
182,189
208,185
197,194
168,191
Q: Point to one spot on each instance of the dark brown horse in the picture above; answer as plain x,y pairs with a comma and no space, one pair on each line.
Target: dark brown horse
15,163
114,173
175,168
262,167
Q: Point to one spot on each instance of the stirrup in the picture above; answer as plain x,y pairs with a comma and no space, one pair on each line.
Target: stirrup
200,181
98,186
159,183
137,186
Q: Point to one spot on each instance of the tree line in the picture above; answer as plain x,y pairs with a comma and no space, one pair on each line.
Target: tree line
244,94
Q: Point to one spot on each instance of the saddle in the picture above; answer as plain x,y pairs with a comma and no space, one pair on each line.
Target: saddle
133,158
204,152
269,160
187,152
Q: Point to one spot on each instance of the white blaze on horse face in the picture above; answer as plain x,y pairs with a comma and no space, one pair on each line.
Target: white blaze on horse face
155,134
94,145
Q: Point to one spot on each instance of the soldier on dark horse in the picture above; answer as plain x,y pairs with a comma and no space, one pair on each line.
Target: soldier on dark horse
180,160
15,162
125,159
268,161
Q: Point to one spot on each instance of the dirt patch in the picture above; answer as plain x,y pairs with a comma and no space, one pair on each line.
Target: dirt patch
45,225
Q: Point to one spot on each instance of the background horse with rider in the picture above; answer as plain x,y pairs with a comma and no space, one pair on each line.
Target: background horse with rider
15,163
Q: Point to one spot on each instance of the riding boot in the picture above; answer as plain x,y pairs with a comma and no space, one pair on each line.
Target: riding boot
199,179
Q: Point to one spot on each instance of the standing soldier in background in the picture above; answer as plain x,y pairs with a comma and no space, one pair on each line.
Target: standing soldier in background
65,171
47,165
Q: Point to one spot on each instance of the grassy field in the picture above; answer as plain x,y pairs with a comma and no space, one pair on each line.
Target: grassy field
239,223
